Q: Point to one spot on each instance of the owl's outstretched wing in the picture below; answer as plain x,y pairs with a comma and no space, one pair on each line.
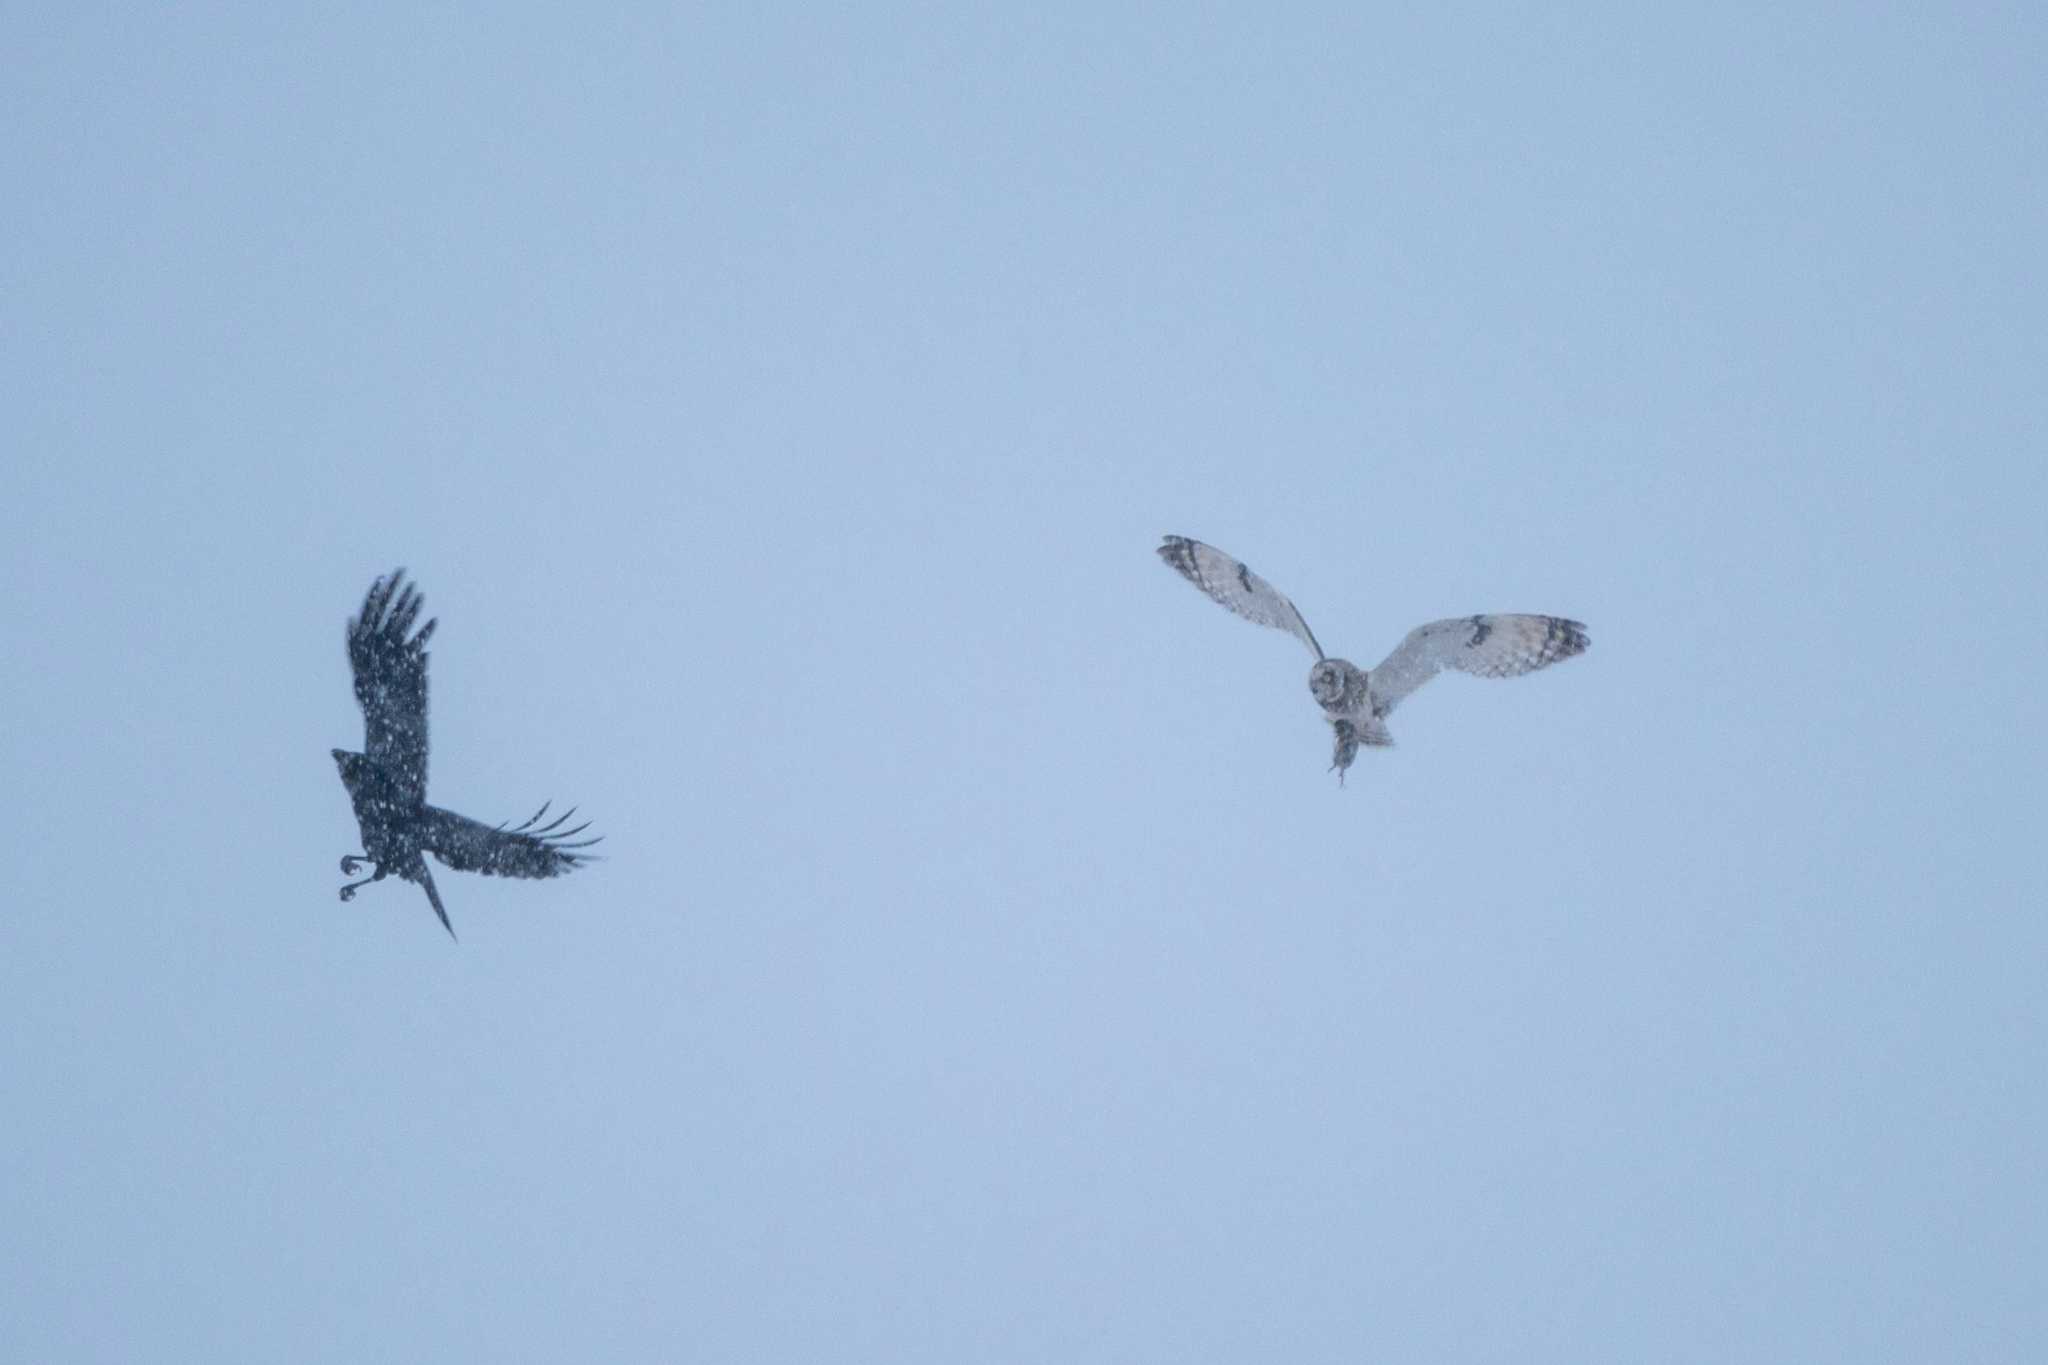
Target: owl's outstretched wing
391,681
1485,646
522,851
1236,587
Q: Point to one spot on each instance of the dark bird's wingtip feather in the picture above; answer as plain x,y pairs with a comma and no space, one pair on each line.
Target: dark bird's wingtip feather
523,826
549,829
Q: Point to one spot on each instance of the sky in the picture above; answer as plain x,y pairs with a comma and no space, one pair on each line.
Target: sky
779,407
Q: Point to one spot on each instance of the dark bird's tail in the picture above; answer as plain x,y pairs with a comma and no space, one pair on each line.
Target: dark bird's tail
434,897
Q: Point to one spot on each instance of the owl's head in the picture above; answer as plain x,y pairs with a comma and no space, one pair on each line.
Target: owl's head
1336,684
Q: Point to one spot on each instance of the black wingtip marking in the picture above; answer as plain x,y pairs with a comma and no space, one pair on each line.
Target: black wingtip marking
1564,638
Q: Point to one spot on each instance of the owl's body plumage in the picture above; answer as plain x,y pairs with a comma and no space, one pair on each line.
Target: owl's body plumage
1356,701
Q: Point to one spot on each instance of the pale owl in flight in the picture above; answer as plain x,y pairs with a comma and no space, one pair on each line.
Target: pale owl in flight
1356,702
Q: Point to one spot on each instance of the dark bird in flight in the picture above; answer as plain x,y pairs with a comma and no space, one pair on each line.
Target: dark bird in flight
388,782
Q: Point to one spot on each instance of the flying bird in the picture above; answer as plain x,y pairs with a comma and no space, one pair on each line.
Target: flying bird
1356,701
387,783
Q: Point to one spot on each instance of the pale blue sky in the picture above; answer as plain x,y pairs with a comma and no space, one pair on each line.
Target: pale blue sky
779,409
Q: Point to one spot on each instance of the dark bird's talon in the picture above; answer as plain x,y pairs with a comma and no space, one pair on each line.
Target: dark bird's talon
349,866
348,893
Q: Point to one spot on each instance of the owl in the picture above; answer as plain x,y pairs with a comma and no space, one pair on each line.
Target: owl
1357,701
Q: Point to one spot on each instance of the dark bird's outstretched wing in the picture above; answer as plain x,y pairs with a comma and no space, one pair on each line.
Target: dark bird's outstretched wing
391,682
1501,646
522,851
1229,582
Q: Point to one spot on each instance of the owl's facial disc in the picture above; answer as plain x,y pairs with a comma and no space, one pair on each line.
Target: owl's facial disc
1326,683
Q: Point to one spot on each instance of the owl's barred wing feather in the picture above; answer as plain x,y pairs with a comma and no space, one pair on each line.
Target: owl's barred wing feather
524,850
1229,582
391,681
1503,646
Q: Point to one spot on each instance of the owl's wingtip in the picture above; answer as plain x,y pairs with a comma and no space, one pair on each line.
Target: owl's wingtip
1567,638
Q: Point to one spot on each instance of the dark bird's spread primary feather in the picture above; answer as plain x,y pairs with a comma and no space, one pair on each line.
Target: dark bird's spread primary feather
387,782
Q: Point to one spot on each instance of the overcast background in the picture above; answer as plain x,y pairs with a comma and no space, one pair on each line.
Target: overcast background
779,408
